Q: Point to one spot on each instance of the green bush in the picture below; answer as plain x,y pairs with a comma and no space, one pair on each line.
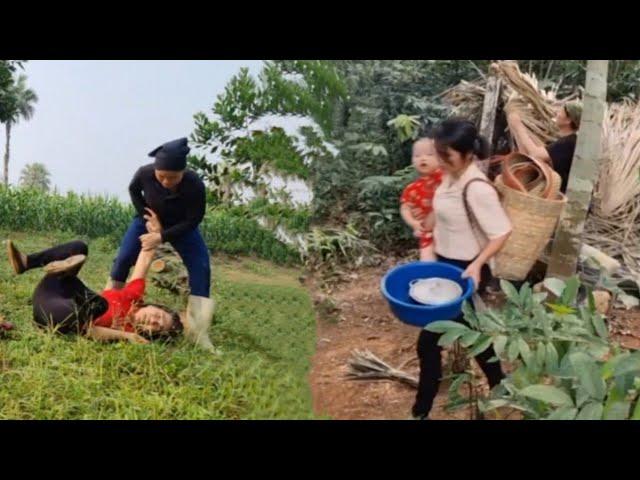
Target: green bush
379,211
294,220
564,364
95,217
239,235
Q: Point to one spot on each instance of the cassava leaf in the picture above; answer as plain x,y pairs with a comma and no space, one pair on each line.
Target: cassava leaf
555,286
510,292
444,326
629,364
469,338
591,411
525,351
481,346
448,338
570,291
547,394
552,357
513,349
588,373
618,410
499,342
563,413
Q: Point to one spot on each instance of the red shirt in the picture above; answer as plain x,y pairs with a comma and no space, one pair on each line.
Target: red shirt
419,196
120,303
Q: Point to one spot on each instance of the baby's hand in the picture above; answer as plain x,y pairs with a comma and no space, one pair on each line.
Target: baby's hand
418,229
428,254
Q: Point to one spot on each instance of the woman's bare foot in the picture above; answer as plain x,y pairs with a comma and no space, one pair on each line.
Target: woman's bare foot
18,260
63,266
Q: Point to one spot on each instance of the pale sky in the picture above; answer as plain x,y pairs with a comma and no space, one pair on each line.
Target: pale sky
96,121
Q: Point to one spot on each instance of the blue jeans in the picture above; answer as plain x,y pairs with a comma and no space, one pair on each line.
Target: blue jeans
190,247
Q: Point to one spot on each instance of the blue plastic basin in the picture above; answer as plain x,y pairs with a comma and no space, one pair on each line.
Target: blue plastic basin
395,288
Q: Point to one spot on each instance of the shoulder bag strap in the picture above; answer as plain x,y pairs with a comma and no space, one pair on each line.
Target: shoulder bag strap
469,211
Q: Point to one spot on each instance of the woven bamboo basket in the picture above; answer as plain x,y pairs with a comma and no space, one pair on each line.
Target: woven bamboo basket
534,220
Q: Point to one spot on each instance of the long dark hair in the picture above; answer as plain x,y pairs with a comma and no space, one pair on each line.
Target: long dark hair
462,136
176,324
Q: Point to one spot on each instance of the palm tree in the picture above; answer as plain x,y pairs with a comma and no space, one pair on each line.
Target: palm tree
18,103
35,175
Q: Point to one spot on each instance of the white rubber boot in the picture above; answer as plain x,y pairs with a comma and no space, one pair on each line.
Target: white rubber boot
198,319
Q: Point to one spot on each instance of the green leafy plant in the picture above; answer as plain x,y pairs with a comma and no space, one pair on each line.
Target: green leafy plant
407,126
330,247
239,235
254,154
564,364
379,210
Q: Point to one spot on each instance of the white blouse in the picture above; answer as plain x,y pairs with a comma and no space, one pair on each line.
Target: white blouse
454,236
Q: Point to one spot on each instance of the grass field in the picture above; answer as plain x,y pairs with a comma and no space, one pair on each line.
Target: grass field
264,324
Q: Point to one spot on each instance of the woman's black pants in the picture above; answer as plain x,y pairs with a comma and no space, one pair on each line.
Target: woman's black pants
62,301
429,354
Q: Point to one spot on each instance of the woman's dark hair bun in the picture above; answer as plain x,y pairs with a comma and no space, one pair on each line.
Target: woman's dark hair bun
481,147
462,136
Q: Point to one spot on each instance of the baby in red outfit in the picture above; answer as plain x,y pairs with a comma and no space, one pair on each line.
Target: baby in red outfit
416,203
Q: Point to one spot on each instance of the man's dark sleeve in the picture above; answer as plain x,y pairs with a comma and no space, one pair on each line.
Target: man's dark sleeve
561,154
135,191
197,206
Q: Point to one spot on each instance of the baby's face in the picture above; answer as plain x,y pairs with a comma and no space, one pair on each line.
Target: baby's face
425,158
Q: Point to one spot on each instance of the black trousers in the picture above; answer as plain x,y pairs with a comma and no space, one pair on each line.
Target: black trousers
429,354
62,301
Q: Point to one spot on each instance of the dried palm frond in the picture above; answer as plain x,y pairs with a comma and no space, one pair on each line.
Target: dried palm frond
526,86
364,365
536,107
465,99
520,93
613,225
619,184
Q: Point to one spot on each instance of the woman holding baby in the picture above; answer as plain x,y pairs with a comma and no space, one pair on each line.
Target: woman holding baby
457,216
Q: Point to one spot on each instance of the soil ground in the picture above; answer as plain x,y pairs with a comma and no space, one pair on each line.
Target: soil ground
356,316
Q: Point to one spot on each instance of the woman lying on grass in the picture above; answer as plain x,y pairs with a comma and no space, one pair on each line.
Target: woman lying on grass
62,302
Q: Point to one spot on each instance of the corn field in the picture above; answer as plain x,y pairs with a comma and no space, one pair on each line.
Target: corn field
96,216
93,217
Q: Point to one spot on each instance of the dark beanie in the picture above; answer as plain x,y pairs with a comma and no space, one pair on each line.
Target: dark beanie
171,156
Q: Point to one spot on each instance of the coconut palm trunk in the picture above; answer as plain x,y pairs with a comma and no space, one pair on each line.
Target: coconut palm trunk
6,153
20,106
583,175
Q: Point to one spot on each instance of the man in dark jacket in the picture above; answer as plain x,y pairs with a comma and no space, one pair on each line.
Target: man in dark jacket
558,154
170,202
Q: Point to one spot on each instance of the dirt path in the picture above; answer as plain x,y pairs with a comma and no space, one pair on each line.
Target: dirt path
362,320
625,327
